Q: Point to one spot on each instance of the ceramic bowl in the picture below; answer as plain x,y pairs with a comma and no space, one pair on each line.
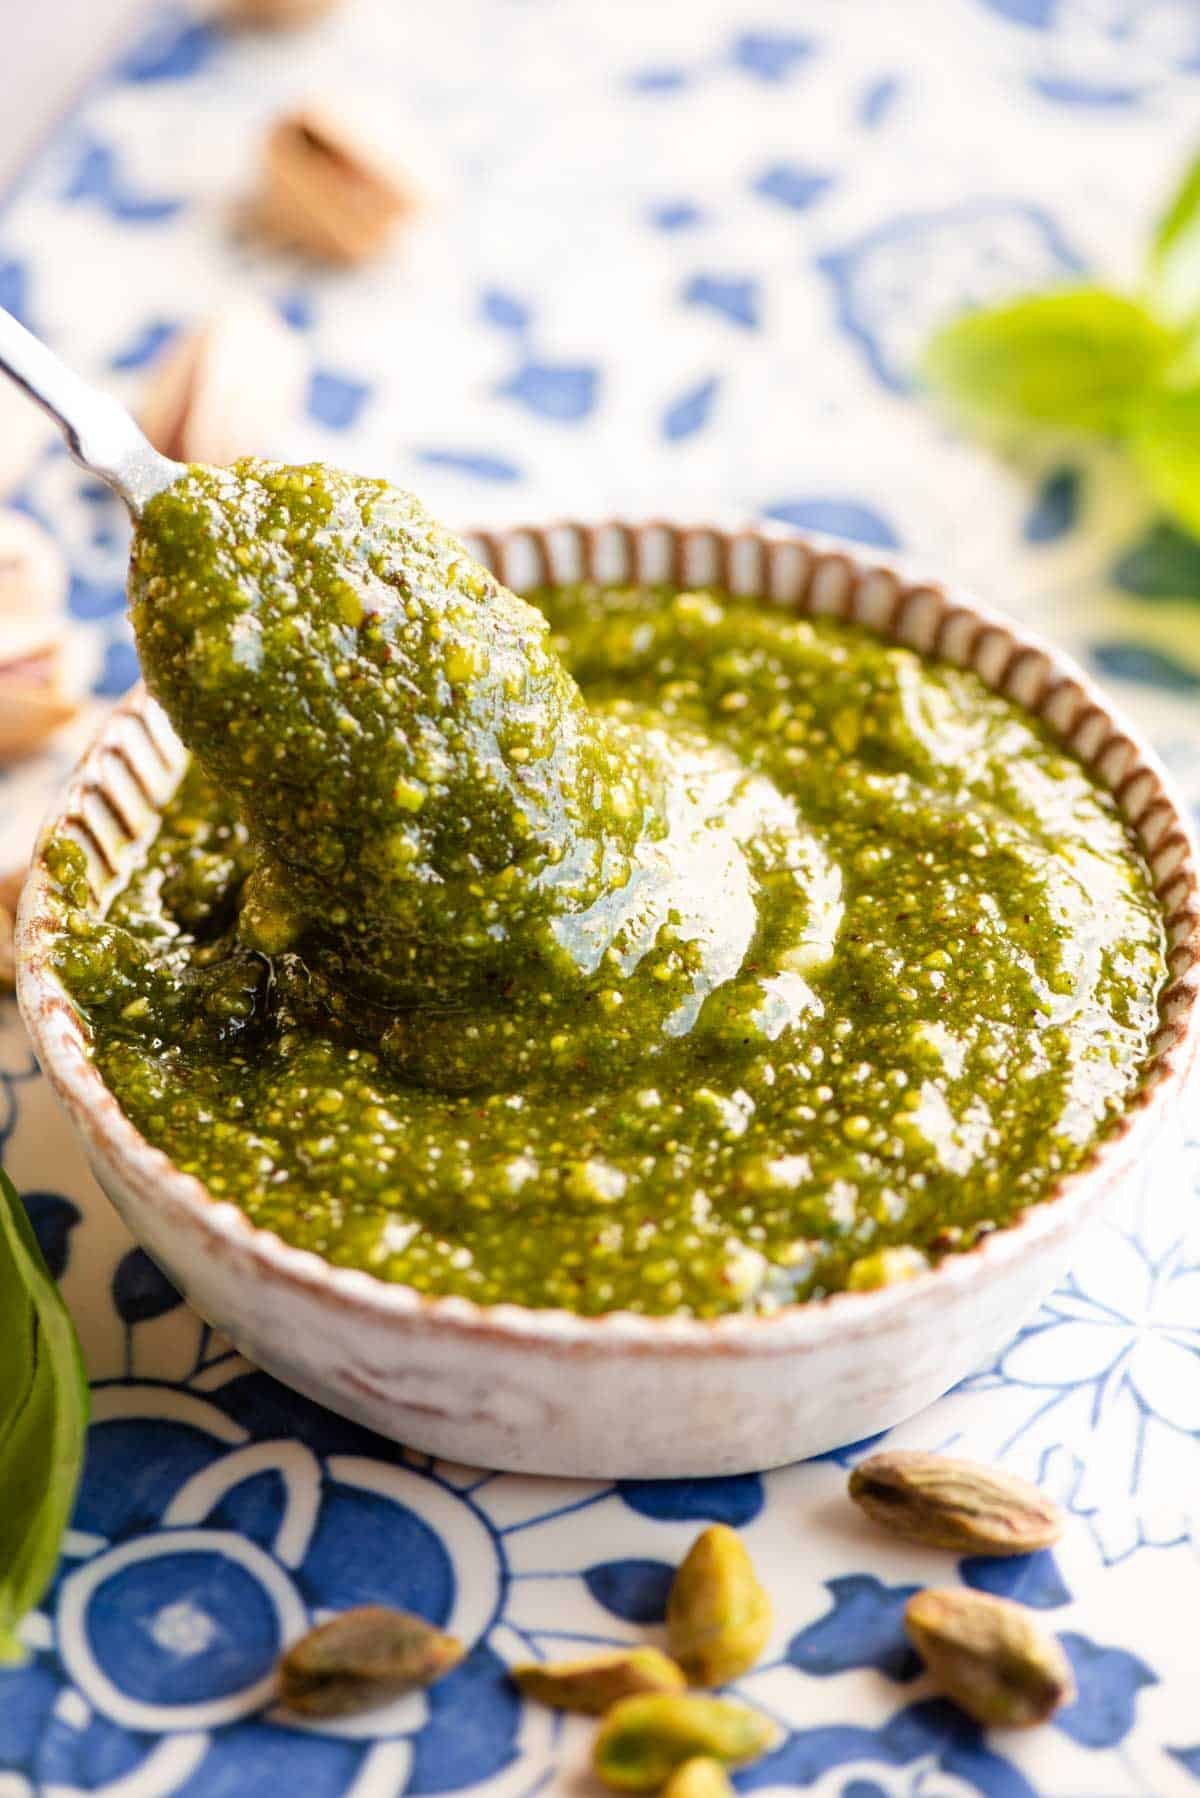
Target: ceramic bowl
546,1391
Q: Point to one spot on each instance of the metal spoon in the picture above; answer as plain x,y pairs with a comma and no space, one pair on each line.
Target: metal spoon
100,433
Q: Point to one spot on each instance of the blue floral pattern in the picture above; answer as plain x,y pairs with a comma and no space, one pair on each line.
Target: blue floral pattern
617,313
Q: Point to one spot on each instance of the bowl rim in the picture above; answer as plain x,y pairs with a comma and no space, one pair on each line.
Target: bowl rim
890,595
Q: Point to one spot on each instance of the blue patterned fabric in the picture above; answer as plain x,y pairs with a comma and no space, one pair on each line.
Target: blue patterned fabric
677,258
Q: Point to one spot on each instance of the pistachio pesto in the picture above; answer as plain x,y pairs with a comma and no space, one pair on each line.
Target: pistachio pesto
625,947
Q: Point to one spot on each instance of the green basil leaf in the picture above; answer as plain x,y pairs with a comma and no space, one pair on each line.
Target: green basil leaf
1077,358
1165,441
1175,253
43,1420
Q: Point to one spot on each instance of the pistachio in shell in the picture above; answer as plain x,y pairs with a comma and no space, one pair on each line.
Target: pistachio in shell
718,1615
228,387
699,1778
364,1658
990,1656
594,1683
643,1740
961,1506
327,190
274,15
34,696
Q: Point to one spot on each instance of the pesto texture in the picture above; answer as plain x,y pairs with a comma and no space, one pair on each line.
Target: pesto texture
625,947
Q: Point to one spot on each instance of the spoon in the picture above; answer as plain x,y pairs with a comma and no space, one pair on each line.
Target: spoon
100,434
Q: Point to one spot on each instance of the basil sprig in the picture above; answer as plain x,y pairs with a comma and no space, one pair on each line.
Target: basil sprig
43,1421
1088,361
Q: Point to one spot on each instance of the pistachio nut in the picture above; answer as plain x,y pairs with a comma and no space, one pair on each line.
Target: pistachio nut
990,1656
596,1682
643,1740
10,892
957,1505
699,1778
227,388
33,702
718,1615
326,190
275,13
362,1659
34,699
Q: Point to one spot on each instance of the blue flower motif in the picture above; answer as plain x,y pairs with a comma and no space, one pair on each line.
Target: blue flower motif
1125,659
53,1218
877,100
770,55
118,669
145,344
1188,1758
735,1499
1108,1681
476,463
691,411
737,298
561,392
1112,1364
865,1628
1032,1580
1103,53
898,282
1163,564
933,1732
634,1590
336,401
200,1547
140,1290
90,599
175,47
505,310
840,517
14,288
675,215
792,185
1055,510
297,309
665,79
98,176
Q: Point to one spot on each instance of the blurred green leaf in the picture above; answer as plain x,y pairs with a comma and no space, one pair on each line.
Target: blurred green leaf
1077,358
43,1420
1174,261
1165,441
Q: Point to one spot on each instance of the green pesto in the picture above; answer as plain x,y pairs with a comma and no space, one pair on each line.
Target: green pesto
785,961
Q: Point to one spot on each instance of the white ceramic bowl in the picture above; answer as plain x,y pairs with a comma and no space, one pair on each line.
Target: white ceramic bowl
546,1391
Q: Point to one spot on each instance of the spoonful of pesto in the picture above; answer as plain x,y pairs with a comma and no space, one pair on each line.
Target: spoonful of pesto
440,823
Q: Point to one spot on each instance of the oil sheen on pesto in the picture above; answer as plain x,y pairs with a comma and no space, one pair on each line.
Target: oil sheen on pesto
624,948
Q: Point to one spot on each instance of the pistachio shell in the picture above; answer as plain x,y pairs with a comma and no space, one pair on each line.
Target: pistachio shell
33,703
598,1681
10,893
958,1505
226,389
362,1659
643,1740
276,13
327,190
700,1778
718,1615
33,589
990,1656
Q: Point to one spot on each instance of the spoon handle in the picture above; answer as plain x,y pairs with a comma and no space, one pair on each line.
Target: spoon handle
100,433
